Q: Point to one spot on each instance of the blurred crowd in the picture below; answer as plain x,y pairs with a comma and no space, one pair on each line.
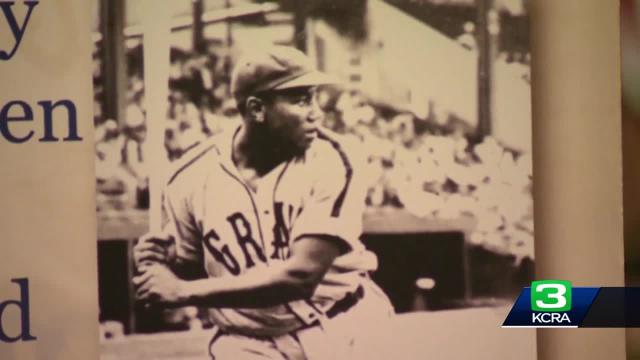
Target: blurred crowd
432,168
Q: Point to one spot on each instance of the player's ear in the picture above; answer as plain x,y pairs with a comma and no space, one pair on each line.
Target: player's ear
255,109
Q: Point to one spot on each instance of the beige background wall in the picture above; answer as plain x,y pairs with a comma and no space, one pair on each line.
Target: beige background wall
577,160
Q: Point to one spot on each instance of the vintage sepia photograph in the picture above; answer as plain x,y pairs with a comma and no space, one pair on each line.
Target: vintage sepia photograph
319,179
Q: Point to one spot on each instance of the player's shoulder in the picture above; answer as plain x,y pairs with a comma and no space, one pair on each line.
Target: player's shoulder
332,149
194,161
335,163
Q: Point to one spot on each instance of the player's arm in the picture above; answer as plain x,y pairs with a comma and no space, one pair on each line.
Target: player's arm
160,248
176,246
294,279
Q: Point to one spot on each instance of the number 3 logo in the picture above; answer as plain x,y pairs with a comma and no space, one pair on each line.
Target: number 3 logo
551,295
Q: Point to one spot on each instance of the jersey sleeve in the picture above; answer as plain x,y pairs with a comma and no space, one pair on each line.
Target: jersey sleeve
178,220
335,205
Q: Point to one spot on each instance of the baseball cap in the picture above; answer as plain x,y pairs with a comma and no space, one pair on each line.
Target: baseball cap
275,68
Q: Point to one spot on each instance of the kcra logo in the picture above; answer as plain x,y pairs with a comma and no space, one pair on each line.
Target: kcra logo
555,303
550,302
17,30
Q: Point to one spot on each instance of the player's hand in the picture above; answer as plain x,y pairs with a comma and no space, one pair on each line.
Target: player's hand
158,284
154,247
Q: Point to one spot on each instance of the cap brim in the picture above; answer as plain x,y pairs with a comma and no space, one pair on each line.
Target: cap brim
314,78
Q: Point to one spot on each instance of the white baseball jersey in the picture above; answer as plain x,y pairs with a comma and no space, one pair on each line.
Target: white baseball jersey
221,223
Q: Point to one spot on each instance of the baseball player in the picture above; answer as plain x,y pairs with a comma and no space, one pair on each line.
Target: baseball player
262,226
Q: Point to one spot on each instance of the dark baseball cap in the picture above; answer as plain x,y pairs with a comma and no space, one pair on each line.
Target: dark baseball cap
275,68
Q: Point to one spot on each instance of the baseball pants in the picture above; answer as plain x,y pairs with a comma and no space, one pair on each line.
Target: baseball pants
355,334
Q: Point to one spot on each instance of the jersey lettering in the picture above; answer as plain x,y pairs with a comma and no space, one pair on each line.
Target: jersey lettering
280,234
242,229
223,255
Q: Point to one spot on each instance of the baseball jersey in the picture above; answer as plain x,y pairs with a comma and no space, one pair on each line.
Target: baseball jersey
230,228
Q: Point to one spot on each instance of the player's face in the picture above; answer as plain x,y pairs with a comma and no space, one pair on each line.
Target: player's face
293,117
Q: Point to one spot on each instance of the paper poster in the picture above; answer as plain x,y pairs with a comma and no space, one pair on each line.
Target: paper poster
47,191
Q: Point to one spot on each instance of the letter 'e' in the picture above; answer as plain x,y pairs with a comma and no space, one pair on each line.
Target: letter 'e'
23,306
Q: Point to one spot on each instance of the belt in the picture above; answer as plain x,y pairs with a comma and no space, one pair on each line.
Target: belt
339,307
346,303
